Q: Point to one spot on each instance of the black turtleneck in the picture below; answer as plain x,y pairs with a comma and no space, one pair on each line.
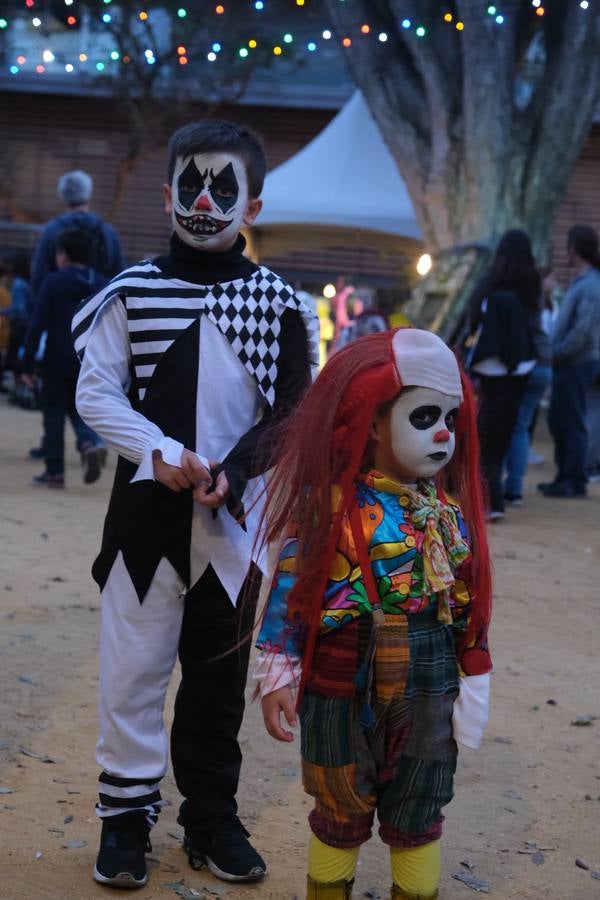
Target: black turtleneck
205,266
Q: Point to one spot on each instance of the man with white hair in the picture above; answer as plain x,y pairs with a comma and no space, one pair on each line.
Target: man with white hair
75,190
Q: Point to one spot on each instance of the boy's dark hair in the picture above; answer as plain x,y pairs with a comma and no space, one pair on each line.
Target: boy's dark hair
214,136
584,241
77,245
513,269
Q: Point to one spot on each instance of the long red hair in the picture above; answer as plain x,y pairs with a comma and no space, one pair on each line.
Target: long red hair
324,444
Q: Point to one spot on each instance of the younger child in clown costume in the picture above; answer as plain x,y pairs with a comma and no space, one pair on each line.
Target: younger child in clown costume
380,605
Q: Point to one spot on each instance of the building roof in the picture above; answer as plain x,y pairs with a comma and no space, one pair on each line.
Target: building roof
345,177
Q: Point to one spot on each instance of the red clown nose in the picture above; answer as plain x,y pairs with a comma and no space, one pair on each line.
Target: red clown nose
204,203
441,437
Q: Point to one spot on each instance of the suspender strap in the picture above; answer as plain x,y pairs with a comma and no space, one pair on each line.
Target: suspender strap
365,565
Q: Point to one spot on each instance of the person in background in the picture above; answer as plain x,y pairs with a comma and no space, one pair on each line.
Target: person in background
502,353
75,190
59,296
18,313
538,382
576,356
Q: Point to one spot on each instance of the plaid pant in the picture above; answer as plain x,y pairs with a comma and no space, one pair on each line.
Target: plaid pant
389,751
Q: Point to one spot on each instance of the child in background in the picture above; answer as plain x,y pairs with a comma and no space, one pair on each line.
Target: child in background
379,610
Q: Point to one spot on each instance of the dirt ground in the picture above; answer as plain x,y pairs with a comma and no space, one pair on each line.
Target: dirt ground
527,805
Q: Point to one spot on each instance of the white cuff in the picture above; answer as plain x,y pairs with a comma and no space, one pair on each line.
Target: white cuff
276,670
470,713
171,453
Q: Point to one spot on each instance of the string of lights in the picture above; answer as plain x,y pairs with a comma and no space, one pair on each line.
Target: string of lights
219,49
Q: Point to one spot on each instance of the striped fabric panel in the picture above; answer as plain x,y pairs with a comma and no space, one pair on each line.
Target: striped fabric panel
392,658
159,309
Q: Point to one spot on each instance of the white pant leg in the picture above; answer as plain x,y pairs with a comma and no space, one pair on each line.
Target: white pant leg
138,649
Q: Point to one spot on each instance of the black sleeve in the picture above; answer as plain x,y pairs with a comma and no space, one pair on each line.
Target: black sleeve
38,324
254,452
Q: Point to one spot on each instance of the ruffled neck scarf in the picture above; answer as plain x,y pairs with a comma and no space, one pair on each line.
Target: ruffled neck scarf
444,548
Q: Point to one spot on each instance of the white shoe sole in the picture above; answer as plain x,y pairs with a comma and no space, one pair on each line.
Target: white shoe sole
123,880
256,874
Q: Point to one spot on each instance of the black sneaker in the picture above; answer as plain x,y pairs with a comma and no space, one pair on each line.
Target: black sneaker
121,860
48,480
91,462
226,850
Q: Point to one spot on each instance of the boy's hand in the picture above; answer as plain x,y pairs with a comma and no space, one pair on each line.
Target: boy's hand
280,701
178,478
215,497
194,470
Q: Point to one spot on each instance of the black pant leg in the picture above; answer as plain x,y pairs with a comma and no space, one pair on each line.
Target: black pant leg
54,410
214,651
500,399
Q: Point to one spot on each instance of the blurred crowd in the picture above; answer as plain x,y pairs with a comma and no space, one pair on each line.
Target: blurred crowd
529,347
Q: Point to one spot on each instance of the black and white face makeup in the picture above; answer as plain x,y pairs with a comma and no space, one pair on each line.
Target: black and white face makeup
209,195
422,431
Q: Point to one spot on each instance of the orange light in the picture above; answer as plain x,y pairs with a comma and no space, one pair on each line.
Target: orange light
143,15
126,59
365,29
540,11
183,60
220,9
460,26
277,51
71,20
21,60
181,50
82,57
346,42
448,17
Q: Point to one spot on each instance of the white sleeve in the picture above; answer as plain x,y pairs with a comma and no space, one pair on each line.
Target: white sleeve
102,395
276,670
470,713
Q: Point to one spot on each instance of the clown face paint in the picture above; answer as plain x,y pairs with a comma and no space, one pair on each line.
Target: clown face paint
418,439
209,199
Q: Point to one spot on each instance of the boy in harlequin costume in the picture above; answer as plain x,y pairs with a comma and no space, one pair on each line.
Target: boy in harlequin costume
190,358
379,609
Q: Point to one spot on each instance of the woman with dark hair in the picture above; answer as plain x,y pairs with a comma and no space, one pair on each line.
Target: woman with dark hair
503,354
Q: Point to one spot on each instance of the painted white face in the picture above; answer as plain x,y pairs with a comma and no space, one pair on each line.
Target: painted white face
422,431
209,199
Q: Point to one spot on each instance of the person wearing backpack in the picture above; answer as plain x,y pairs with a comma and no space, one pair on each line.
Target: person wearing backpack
75,190
60,294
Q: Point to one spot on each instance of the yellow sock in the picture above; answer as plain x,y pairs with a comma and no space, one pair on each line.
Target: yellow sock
327,864
416,870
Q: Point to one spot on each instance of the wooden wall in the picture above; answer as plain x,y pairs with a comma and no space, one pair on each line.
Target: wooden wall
46,135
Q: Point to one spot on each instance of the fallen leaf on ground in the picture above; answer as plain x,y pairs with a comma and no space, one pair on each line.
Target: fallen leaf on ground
476,884
41,756
583,720
181,890
581,864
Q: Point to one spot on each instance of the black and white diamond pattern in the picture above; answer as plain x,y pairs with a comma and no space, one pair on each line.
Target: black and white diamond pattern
246,312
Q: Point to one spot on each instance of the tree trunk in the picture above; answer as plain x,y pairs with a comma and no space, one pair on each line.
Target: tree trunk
485,124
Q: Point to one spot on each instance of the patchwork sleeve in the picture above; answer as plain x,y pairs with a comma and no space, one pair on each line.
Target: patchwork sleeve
281,638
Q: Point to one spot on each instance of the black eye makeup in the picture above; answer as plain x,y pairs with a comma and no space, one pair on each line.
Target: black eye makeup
424,417
451,420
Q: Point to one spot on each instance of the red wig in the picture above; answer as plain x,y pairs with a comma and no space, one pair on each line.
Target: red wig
325,443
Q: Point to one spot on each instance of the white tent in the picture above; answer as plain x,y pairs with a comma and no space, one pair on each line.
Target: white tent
345,178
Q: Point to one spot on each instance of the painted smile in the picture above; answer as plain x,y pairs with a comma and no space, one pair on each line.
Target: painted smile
202,225
438,455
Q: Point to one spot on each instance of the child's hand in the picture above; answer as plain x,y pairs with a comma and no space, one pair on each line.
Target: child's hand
215,497
172,477
280,701
197,474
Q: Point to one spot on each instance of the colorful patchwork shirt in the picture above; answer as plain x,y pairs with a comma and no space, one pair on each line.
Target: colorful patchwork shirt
417,545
